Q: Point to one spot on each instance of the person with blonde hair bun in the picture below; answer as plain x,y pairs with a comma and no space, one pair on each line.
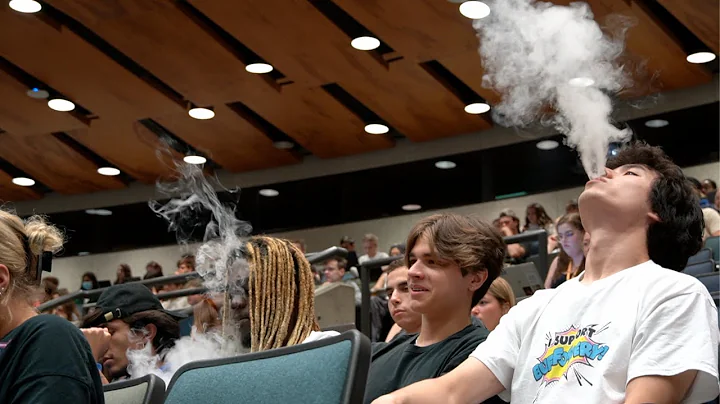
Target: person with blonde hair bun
43,358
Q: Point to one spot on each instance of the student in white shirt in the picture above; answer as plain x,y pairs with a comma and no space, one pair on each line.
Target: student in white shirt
628,330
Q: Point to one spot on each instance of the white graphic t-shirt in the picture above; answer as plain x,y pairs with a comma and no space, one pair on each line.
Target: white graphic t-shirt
585,343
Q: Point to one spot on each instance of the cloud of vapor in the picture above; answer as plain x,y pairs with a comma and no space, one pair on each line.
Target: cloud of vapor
219,261
531,52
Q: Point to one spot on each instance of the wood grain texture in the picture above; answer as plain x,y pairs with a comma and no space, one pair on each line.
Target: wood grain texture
10,192
22,115
53,163
131,147
78,70
700,17
229,140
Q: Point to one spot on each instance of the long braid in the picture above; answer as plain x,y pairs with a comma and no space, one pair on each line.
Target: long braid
282,294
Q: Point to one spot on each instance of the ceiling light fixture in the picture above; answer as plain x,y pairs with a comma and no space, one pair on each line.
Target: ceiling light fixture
201,113
83,253
474,9
700,57
25,6
23,181
547,144
656,123
365,43
445,165
109,171
477,108
581,82
283,145
61,105
37,93
98,212
259,68
411,207
376,129
194,159
269,192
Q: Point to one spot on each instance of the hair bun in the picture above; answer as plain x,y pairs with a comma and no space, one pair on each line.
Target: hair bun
42,236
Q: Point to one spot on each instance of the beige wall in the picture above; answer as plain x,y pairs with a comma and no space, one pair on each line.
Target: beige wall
389,230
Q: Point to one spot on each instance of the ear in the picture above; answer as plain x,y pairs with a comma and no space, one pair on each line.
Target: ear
477,279
4,278
653,218
151,332
505,308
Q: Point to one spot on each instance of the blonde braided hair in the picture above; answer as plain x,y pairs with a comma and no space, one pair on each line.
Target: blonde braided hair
281,294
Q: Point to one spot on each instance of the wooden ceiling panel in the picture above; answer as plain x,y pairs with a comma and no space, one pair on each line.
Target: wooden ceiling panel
419,30
10,192
292,35
468,68
54,164
654,45
700,17
157,35
317,122
413,102
229,140
22,115
72,66
131,147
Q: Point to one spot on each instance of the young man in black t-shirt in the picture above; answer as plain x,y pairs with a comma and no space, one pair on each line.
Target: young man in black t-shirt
452,261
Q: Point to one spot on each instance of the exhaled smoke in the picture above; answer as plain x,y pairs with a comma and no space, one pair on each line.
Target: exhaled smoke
542,57
219,260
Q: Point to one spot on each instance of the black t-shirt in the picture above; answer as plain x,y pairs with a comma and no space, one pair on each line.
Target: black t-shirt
400,362
48,360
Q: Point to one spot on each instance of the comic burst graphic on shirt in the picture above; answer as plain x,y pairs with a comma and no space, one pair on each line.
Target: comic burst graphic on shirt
567,352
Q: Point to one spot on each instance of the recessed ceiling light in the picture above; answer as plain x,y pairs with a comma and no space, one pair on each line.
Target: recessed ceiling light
376,129
25,6
365,43
283,145
110,171
269,192
60,104
547,144
201,113
194,159
656,123
581,82
83,253
700,57
445,165
411,207
37,93
98,212
23,181
474,9
477,108
259,68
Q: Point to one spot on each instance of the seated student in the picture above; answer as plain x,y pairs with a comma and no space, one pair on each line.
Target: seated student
335,269
43,358
630,329
268,316
569,263
133,317
496,303
406,320
510,226
453,260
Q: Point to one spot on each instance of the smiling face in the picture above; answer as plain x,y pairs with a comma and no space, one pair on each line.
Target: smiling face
438,286
621,194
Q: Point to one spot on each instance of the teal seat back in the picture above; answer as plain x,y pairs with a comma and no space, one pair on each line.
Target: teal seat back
328,371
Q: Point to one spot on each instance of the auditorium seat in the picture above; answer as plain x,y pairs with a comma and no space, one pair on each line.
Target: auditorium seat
332,370
148,389
713,243
702,255
711,281
700,268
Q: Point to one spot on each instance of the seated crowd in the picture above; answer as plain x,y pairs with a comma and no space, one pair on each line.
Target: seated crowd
616,323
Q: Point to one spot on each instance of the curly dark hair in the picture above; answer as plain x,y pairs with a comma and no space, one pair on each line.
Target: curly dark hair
678,234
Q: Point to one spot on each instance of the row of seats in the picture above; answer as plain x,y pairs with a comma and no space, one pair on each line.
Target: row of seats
275,376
